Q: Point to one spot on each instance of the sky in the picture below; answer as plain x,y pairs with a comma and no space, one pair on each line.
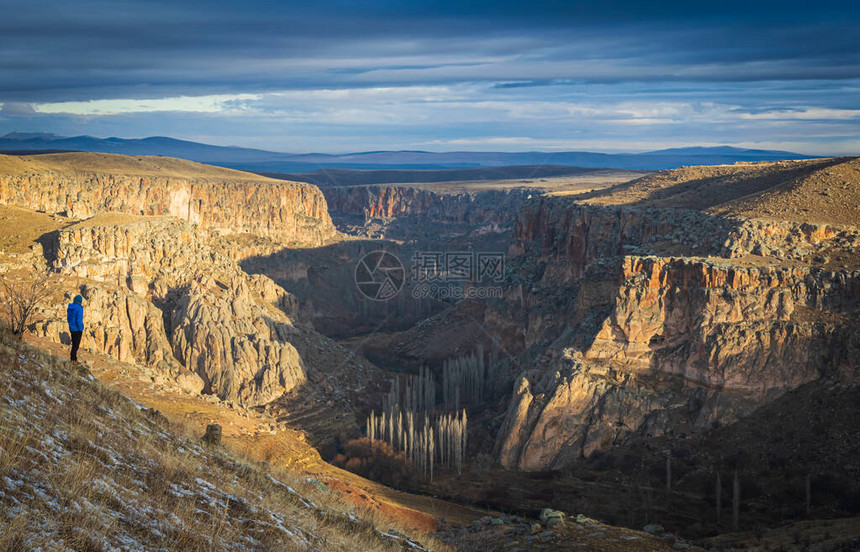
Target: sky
337,76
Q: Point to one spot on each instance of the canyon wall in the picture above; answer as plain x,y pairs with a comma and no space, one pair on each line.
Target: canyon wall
491,206
156,260
414,220
170,299
718,324
579,233
291,212
663,321
410,213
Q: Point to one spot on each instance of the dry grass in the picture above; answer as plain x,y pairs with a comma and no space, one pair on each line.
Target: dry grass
814,190
82,467
143,165
113,218
557,185
20,228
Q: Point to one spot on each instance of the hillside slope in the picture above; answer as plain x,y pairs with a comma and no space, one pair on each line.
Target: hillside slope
815,191
84,468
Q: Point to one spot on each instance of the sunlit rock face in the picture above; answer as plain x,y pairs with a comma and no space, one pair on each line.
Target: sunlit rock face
157,259
291,212
238,346
174,302
663,321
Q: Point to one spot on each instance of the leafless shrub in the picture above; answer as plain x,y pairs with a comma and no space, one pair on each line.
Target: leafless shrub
22,297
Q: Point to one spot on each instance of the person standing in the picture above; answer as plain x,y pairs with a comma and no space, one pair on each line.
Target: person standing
75,317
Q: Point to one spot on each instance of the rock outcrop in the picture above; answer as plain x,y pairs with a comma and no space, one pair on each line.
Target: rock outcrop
579,233
418,203
291,212
227,329
410,213
238,346
722,325
153,255
655,321
795,241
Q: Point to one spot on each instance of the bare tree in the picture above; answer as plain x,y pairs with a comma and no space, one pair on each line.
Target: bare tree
736,501
22,298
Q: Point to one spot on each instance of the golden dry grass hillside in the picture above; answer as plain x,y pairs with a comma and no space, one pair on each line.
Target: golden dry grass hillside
143,165
816,190
84,468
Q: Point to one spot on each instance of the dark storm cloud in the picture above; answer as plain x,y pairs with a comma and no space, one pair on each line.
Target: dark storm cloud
343,76
58,51
17,109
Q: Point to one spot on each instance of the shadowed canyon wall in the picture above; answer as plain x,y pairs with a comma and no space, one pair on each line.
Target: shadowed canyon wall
401,212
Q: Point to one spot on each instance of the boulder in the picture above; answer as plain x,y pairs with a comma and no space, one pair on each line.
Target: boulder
213,435
550,517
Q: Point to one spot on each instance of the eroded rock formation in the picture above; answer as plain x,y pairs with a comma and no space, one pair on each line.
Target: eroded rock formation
228,329
404,201
238,346
123,325
292,212
156,261
411,213
657,321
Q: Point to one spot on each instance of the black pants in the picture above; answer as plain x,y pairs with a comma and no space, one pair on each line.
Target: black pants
76,342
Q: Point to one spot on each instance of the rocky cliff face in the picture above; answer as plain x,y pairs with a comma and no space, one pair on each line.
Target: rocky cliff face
426,221
396,202
156,260
215,329
153,255
793,241
404,212
656,321
238,346
291,212
719,324
123,325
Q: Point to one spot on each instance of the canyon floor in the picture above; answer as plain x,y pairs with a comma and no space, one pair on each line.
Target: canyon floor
652,333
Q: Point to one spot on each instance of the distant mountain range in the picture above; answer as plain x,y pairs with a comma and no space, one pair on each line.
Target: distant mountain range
274,162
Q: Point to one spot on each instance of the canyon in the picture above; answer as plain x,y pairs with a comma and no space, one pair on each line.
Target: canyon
674,308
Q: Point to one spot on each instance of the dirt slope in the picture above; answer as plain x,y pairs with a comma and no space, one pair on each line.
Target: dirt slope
257,448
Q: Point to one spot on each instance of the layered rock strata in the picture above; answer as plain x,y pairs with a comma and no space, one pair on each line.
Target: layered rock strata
417,203
292,212
216,329
662,321
410,213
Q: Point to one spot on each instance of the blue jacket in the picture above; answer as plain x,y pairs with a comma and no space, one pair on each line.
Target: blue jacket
75,316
